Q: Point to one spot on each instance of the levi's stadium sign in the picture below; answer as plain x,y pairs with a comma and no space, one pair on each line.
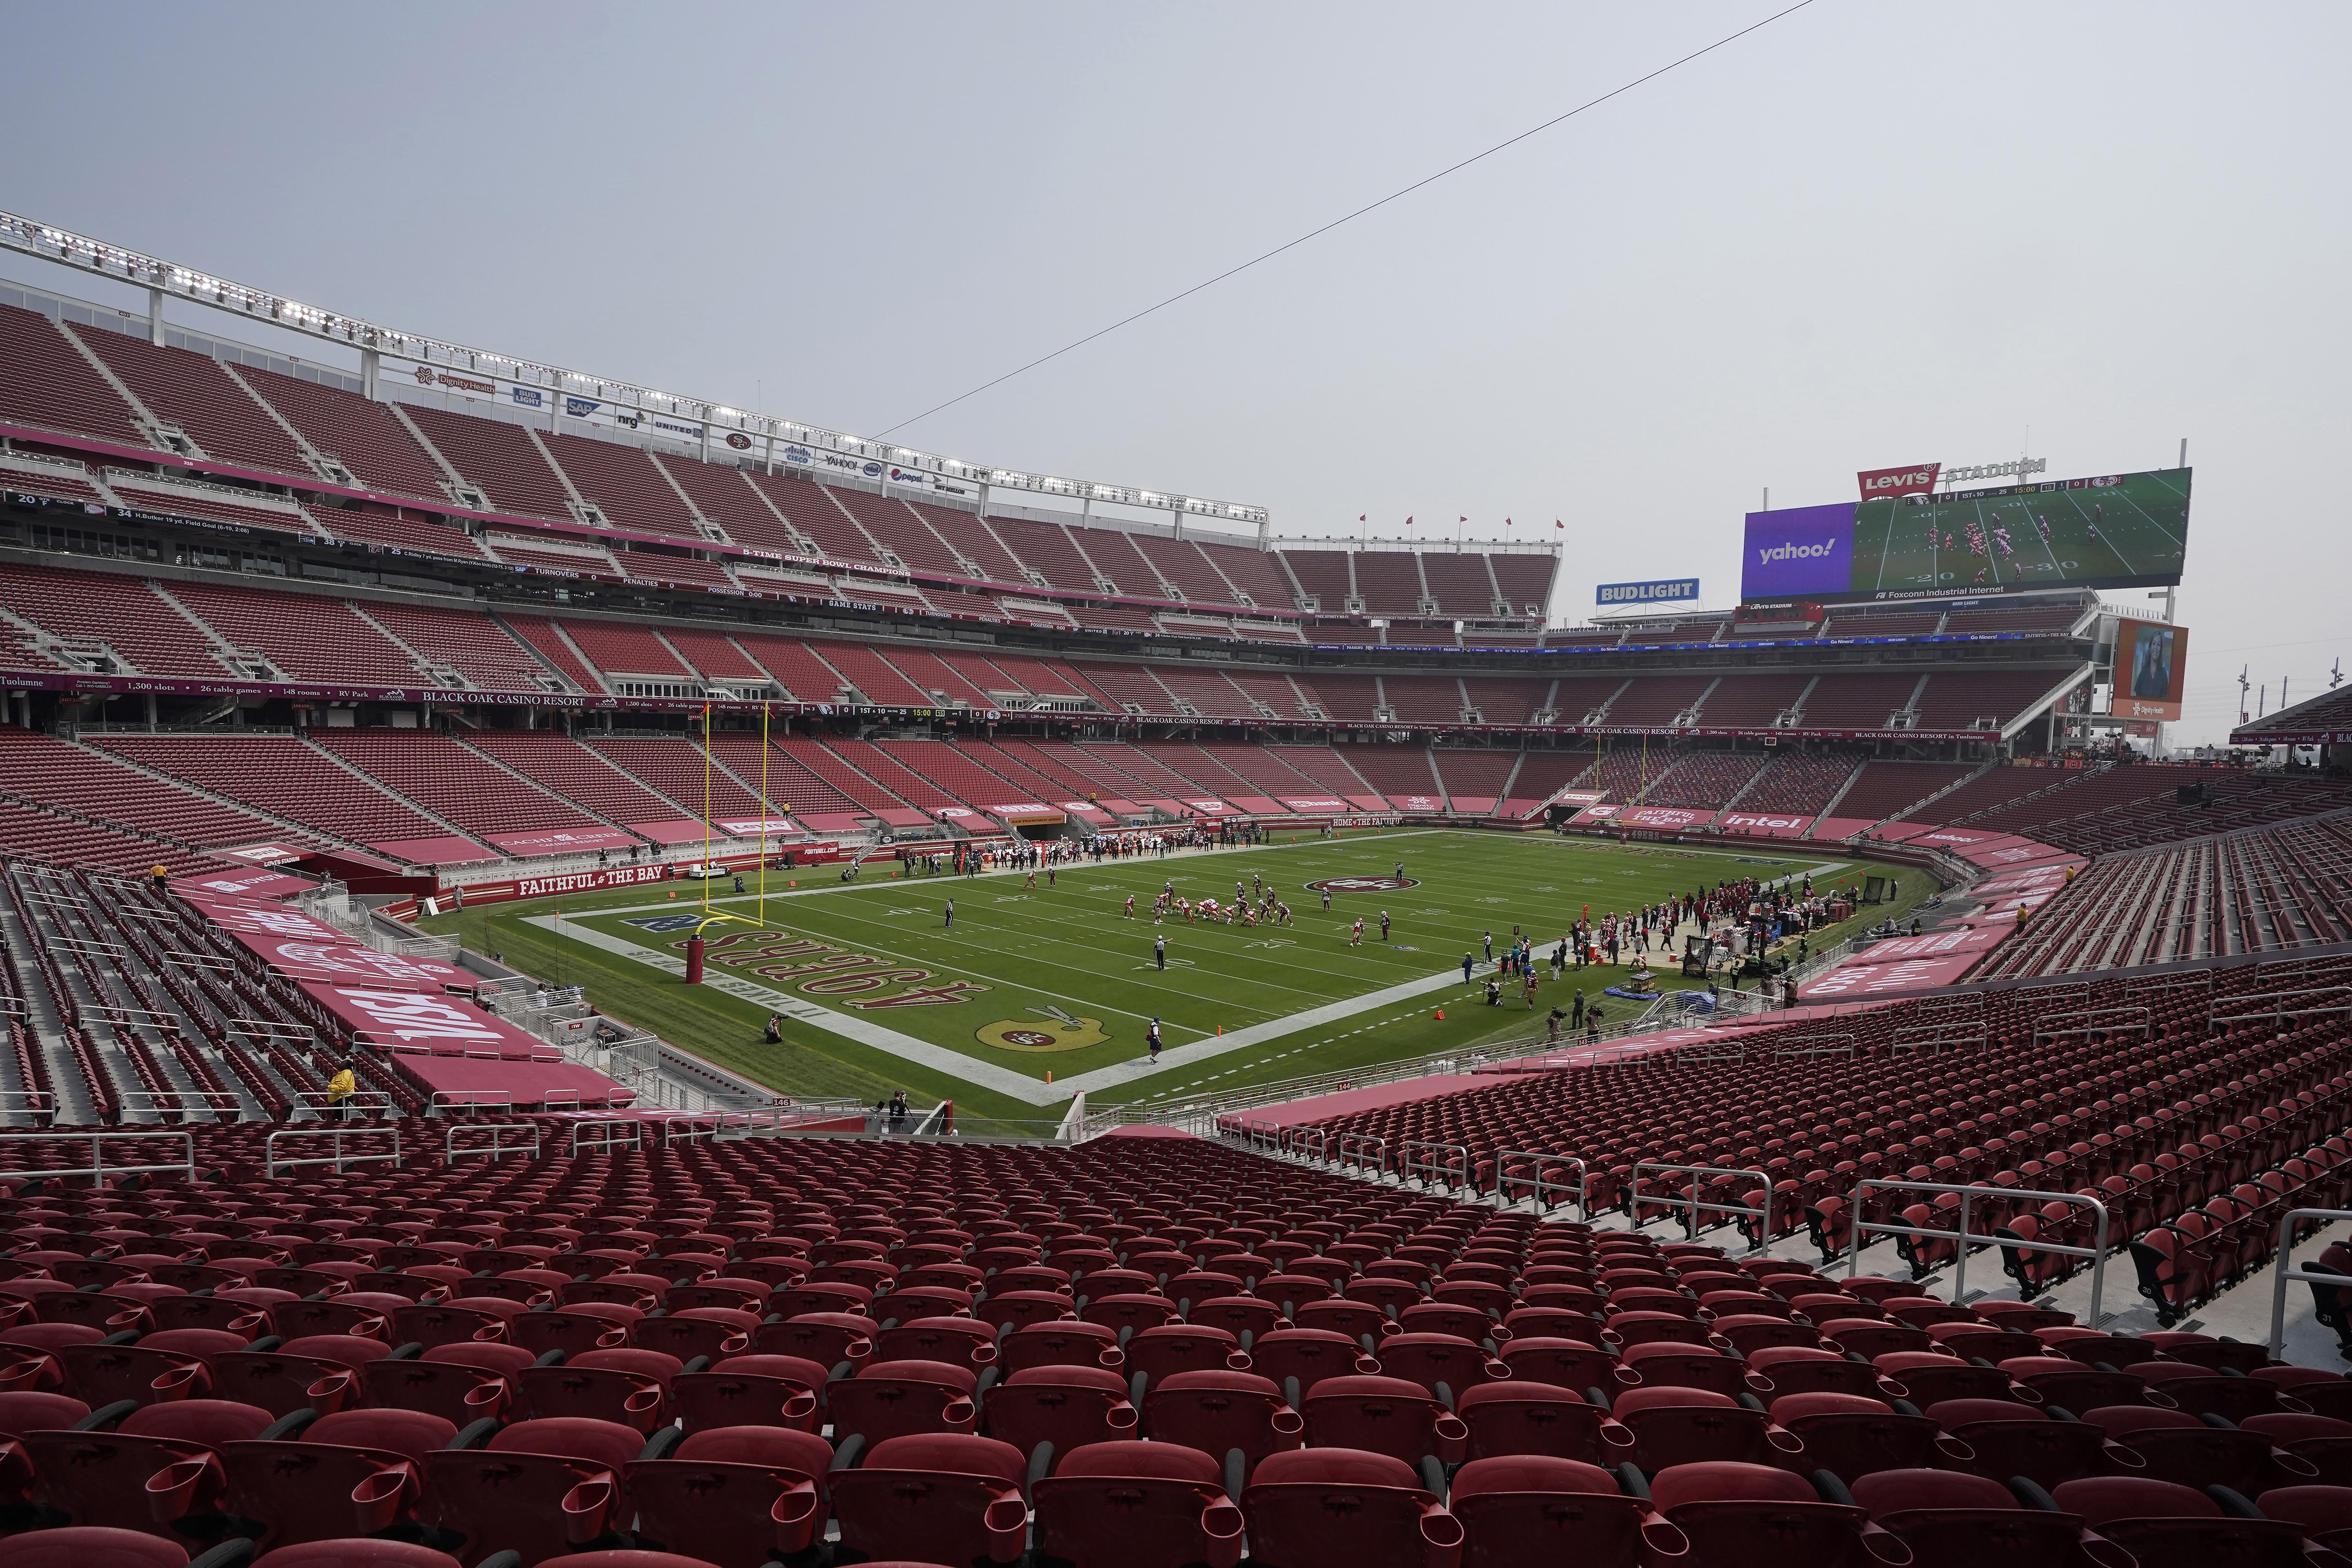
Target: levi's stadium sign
1916,479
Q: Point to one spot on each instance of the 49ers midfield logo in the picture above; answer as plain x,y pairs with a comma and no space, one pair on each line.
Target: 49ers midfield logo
1363,884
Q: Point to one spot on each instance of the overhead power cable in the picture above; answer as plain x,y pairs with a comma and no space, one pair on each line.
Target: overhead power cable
1351,218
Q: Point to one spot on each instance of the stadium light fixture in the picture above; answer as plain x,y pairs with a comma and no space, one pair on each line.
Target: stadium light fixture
64,248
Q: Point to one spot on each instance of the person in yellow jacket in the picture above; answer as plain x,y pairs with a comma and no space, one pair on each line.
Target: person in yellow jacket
341,1087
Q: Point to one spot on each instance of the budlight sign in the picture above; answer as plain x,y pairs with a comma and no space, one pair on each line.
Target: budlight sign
1666,591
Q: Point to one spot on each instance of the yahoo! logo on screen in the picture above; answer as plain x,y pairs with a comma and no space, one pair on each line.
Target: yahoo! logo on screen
1769,554
1803,550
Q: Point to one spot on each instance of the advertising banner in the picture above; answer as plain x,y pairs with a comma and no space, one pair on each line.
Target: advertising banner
1765,824
1666,590
1797,552
1861,978
241,885
563,841
1664,816
439,1025
348,963
435,851
241,920
2151,665
1901,541
261,854
1918,480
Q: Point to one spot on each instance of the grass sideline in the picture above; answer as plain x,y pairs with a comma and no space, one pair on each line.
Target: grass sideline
1063,981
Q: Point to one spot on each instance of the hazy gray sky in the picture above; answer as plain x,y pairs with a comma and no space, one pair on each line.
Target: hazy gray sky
1867,235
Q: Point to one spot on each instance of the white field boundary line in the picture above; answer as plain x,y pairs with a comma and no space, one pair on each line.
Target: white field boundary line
949,882
954,1063
986,1075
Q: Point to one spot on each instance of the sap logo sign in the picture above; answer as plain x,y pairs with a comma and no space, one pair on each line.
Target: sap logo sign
1796,551
666,922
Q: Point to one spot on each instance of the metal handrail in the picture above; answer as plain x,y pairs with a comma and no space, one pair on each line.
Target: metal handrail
28,1102
1354,1146
1692,1206
1425,1172
272,1164
1739,1050
2283,1273
2212,1018
2042,1034
97,1168
1898,1046
698,1129
1309,1144
274,1029
124,1018
554,1098
497,1147
471,1100
155,1101
2096,1253
608,1134
360,1102
1536,1187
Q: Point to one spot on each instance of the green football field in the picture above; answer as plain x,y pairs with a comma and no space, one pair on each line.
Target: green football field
2133,530
878,992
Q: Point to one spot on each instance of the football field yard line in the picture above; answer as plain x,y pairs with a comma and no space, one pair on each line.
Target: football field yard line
973,1070
1258,1034
905,1048
2105,543
1014,928
951,938
2124,491
1038,920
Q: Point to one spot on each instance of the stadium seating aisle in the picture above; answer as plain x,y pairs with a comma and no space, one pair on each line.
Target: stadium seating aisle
1706,780
674,767
497,458
357,432
2257,890
284,776
1796,782
566,768
309,639
45,383
191,391
627,485
1894,789
731,1349
446,778
41,771
122,615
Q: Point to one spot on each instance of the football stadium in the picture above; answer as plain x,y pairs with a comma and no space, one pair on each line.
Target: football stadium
595,975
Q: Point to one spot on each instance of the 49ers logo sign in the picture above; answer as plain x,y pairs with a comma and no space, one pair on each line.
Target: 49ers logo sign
1363,884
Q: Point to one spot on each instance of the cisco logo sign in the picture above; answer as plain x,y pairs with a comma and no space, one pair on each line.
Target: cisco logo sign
1664,591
